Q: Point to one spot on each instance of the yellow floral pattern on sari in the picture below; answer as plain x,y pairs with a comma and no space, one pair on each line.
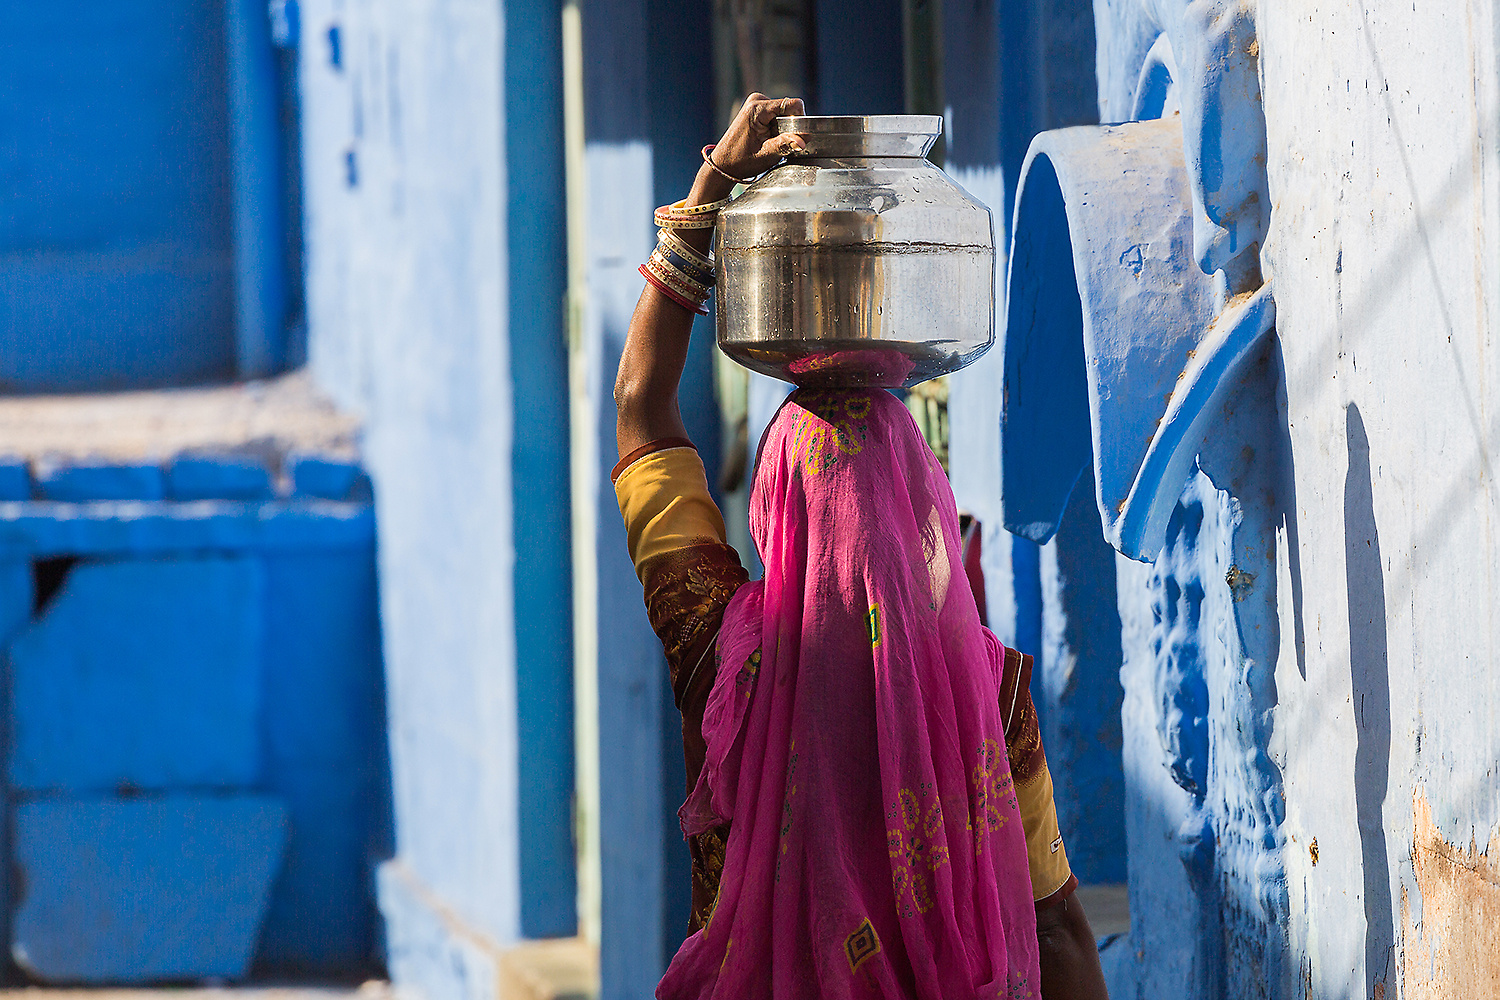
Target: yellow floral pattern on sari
916,847
991,789
828,430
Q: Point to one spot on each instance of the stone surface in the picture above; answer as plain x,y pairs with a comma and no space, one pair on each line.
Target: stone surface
146,889
287,413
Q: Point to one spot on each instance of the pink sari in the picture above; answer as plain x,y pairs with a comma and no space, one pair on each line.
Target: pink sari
854,736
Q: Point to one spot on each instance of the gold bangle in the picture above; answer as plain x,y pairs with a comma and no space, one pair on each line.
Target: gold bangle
680,246
683,208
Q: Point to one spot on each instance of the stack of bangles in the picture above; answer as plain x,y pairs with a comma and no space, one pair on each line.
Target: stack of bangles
679,272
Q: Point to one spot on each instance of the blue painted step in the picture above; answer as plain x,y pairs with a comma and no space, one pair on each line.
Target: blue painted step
143,890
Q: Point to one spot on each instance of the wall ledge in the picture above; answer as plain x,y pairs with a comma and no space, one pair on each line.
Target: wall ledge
434,954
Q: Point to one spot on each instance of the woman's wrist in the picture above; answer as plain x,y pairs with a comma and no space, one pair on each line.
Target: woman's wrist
708,187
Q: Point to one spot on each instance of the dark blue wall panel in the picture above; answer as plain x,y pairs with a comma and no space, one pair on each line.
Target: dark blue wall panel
115,240
860,58
682,121
325,756
539,466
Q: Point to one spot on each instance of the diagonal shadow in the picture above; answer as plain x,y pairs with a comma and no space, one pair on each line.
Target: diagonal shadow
1369,674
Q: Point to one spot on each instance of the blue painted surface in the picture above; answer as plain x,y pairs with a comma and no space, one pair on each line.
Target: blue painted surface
110,689
1076,689
1046,80
1171,389
140,528
1237,335
15,479
145,889
1025,560
328,479
971,39
141,675
537,258
116,261
1142,309
324,755
1044,426
634,164
73,481
229,475
859,58
417,340
682,108
256,201
17,595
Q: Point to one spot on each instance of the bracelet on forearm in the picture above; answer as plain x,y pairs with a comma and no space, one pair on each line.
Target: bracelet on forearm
704,261
702,273
709,159
680,300
678,279
680,215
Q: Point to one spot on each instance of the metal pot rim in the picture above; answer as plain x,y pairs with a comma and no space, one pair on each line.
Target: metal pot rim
861,124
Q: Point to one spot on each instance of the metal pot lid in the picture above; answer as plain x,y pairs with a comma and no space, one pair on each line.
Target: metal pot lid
831,136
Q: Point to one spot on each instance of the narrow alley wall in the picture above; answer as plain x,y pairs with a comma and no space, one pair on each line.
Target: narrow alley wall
404,134
1327,591
1383,123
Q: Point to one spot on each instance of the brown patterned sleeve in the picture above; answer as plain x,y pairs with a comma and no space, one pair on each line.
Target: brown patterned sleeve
676,537
687,591
1023,737
1051,877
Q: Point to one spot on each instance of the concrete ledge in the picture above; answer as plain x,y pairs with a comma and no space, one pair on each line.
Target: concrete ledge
434,955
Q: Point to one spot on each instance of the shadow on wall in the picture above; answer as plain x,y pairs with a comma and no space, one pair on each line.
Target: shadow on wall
1370,681
1286,502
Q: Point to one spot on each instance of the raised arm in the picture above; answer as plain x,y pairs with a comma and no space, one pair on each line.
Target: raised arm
656,344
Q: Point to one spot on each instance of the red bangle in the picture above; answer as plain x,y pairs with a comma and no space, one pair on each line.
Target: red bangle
661,286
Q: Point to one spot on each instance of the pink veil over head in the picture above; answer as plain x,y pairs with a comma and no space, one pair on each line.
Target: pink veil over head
854,735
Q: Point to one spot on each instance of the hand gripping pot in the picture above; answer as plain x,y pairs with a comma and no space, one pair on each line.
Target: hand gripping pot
857,262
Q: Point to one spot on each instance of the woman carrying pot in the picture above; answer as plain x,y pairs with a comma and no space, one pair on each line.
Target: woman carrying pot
869,810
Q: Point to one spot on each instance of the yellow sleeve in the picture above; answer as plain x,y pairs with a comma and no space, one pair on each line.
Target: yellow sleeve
665,502
1045,854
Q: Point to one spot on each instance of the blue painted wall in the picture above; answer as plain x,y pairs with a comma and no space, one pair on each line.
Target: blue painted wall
859,58
541,484
405,151
279,596
682,111
141,214
648,110
116,247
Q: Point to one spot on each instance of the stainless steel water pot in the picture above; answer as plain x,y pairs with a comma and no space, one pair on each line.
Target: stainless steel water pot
857,262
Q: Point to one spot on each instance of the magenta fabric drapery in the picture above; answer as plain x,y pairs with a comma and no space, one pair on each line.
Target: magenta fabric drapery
854,736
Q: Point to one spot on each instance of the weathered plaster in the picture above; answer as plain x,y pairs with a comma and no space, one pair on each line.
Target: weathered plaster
1383,172
1449,941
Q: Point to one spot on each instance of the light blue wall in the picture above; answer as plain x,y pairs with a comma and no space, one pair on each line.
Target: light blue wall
647,112
405,134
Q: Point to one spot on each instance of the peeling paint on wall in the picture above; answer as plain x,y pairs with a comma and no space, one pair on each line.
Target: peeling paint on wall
1450,939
